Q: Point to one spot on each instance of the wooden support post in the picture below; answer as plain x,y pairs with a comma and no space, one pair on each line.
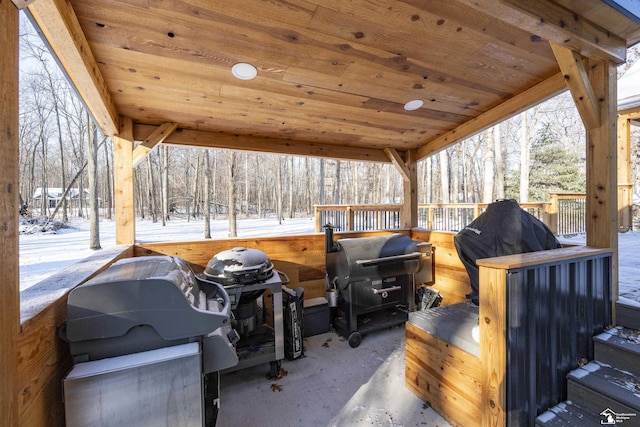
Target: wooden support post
552,213
493,346
316,215
9,209
602,203
625,187
124,189
408,170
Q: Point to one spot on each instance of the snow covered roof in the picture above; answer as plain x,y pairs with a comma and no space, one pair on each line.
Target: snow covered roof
56,193
629,88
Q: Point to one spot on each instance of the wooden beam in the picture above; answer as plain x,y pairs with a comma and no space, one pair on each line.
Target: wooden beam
398,162
9,208
157,137
521,102
204,139
124,184
59,24
601,163
549,20
22,3
572,67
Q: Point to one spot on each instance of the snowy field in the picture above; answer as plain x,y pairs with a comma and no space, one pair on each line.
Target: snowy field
42,254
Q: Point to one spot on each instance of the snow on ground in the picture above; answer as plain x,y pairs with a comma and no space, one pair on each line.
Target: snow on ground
42,254
628,262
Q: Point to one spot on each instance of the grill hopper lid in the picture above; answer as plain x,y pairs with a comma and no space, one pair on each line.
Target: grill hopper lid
239,266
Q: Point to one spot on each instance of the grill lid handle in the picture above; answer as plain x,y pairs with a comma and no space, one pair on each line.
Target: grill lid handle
366,262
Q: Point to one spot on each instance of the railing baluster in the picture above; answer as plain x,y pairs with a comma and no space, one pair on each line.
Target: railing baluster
565,211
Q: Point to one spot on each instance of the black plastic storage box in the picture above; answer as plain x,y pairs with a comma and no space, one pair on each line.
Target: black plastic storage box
316,316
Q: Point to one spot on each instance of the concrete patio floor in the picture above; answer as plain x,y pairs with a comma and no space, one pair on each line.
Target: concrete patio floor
334,385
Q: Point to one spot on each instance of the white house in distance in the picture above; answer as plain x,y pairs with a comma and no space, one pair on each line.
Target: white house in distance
54,195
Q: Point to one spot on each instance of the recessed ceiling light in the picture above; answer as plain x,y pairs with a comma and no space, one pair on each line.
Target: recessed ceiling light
244,71
413,104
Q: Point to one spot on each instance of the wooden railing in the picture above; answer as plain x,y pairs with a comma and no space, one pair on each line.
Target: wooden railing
563,214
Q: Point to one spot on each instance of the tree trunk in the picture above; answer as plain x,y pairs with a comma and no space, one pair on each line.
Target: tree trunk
456,174
336,189
499,162
321,195
246,185
63,169
444,176
108,193
488,176
213,184
153,206
196,186
166,208
207,196
307,187
92,162
260,185
291,207
278,189
233,225
525,160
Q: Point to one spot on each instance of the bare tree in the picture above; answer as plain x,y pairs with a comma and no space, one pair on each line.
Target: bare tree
499,163
207,196
278,189
231,179
94,208
525,159
444,176
165,184
488,176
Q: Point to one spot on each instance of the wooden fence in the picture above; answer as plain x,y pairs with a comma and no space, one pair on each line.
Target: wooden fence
563,214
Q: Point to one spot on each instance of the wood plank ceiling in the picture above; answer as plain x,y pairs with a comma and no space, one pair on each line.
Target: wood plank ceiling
333,75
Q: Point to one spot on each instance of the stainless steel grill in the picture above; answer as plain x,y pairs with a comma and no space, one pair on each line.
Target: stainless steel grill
129,316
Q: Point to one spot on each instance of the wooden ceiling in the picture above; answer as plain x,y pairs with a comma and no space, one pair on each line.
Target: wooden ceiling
333,75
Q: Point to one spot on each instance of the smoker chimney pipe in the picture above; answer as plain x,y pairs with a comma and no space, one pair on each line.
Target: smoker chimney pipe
329,244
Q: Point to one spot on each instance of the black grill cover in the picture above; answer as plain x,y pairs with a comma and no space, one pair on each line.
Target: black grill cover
503,229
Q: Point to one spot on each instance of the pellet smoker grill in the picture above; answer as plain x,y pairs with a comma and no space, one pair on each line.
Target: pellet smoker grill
373,278
148,340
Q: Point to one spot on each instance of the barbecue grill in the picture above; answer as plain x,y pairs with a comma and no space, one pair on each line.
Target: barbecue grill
245,274
374,281
133,331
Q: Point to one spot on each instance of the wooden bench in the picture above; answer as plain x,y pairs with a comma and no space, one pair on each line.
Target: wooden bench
538,314
443,361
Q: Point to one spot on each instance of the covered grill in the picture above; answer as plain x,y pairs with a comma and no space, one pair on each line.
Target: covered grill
141,320
372,276
245,274
504,228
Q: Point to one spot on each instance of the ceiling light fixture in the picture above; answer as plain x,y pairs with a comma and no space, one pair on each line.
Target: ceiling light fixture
413,104
244,71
